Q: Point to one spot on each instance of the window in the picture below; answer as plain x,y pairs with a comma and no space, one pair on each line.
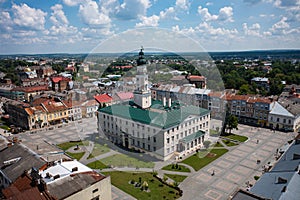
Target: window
168,140
95,190
154,139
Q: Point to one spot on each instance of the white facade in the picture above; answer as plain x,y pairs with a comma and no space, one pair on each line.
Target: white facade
142,94
281,118
162,143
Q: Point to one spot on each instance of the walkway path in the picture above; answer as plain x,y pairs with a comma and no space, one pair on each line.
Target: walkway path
236,167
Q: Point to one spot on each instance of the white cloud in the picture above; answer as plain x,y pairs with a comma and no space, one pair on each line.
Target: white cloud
91,15
5,22
183,4
209,4
58,16
207,28
148,21
168,13
288,4
28,17
253,30
132,9
206,15
225,14
282,24
73,2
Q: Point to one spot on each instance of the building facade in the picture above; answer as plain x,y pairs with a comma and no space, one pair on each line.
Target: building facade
163,129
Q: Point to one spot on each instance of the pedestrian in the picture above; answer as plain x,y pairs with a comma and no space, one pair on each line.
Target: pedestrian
257,141
213,173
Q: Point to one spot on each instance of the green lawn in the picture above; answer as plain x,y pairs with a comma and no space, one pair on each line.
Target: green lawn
229,143
213,132
157,190
197,161
237,137
176,178
97,165
180,168
65,146
76,156
98,150
218,144
121,160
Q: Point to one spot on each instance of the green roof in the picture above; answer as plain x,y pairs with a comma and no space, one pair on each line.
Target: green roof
193,136
159,116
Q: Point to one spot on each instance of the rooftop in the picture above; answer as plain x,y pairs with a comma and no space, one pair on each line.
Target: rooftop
157,115
14,160
103,98
283,181
193,136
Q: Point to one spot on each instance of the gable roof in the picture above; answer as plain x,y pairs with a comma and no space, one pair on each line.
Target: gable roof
103,98
278,109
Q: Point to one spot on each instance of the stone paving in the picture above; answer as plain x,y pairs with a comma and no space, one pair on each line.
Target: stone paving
236,167
231,171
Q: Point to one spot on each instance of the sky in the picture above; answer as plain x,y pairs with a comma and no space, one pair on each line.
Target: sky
79,26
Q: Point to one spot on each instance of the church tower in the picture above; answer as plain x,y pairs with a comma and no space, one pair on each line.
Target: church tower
142,93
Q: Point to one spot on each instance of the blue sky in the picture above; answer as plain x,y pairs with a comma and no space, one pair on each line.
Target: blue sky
78,26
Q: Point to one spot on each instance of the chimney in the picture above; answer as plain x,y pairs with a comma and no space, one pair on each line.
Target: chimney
56,176
169,102
281,180
74,169
164,101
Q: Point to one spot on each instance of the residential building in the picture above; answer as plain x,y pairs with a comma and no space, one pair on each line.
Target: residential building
57,110
27,187
104,99
71,180
14,160
261,82
283,180
31,91
17,113
37,117
163,129
199,81
60,83
89,108
285,115
186,93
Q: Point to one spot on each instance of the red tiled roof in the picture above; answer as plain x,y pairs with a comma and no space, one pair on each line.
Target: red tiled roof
103,98
22,189
196,78
31,88
125,95
53,106
57,79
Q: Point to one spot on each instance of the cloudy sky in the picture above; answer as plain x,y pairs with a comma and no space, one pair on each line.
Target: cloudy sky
78,26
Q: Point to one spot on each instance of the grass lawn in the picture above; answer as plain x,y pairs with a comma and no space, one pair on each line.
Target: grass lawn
175,177
98,150
229,143
157,190
197,161
180,168
97,165
213,132
76,156
237,137
218,144
65,146
121,160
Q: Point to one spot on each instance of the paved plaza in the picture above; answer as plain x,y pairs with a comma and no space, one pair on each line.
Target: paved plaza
236,167
233,170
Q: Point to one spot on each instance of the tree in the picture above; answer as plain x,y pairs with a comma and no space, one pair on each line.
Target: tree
206,144
232,123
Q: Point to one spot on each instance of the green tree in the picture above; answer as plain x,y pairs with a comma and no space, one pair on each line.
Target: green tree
232,123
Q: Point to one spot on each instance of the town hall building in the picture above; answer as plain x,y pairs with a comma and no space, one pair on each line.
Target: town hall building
163,129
